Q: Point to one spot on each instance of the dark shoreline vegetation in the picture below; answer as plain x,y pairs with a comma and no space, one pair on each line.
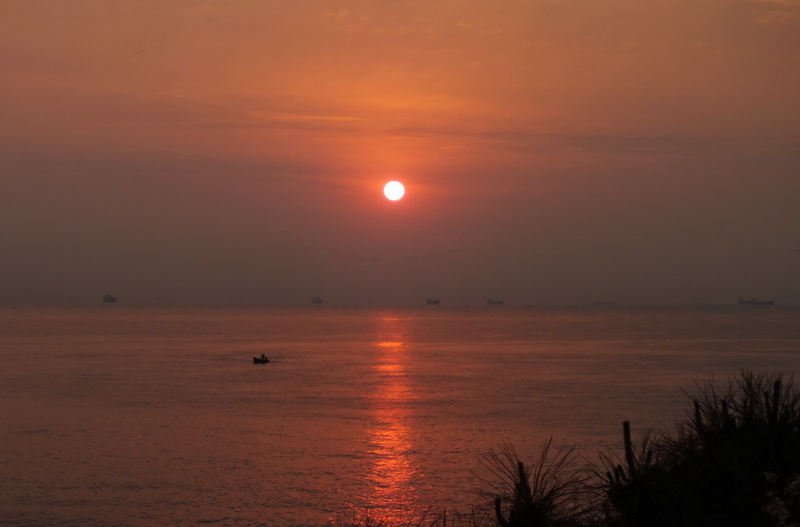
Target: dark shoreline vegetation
734,460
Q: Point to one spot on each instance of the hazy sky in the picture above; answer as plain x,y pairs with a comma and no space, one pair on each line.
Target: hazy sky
553,151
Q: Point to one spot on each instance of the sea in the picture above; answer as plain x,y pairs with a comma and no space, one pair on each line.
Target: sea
125,416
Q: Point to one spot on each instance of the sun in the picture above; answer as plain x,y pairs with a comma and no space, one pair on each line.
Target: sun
394,190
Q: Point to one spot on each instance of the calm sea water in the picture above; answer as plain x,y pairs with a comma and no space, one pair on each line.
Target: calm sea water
121,416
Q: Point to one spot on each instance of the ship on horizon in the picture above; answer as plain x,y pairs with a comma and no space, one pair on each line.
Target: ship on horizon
109,299
432,301
493,302
756,302
316,300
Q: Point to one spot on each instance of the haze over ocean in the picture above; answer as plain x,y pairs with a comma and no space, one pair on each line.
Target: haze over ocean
183,152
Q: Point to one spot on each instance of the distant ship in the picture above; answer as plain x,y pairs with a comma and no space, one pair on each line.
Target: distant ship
109,299
316,300
494,302
432,301
756,302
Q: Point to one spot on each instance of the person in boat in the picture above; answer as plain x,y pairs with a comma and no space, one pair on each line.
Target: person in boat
263,357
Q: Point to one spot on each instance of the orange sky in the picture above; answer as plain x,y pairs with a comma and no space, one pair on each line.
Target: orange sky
554,151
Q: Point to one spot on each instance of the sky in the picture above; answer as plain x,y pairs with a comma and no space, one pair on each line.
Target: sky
554,152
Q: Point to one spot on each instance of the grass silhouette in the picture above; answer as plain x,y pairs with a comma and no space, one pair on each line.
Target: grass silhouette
733,461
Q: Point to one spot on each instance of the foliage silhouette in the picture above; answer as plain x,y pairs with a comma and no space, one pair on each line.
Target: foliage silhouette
733,461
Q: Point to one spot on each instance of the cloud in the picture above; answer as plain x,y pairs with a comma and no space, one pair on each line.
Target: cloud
777,12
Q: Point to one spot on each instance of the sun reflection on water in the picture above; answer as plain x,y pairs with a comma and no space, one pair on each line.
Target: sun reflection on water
392,474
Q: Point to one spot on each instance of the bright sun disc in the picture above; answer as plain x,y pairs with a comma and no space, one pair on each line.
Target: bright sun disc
394,190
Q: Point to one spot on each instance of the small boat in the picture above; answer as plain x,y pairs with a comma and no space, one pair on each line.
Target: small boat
432,301
756,302
260,360
109,299
316,300
494,302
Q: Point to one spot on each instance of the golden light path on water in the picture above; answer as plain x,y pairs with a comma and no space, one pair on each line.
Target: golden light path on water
392,472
